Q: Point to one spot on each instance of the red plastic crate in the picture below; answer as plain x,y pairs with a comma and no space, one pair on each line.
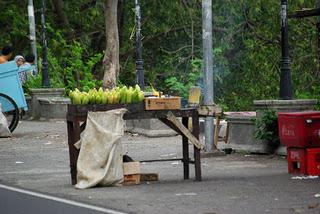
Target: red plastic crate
304,161
313,161
296,160
299,129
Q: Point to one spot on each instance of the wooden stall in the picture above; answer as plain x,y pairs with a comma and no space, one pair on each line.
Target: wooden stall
76,122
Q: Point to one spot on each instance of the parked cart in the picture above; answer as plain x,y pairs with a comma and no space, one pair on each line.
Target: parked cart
12,97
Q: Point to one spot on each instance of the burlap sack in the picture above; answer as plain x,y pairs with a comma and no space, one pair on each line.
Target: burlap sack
100,157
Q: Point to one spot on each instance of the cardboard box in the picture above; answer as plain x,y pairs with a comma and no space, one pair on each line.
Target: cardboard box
162,103
131,173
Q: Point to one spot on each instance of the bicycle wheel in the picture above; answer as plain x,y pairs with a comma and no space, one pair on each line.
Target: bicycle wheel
10,111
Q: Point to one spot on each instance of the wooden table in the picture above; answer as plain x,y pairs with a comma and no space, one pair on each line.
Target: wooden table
76,121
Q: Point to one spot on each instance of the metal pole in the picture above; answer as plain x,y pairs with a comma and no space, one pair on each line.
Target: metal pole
208,69
32,30
285,76
45,74
139,62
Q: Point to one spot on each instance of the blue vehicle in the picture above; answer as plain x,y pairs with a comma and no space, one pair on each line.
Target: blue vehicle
12,97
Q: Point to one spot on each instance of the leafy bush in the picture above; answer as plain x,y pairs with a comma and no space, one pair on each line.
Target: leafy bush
36,82
267,128
78,73
73,72
181,85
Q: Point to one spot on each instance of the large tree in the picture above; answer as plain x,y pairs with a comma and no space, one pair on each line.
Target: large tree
111,57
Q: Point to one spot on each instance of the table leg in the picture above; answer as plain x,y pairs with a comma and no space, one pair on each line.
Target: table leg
185,150
195,132
73,137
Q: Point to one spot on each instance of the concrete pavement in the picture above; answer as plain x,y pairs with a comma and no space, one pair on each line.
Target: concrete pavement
36,158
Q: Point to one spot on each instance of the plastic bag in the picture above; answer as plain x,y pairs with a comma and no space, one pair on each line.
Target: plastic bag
4,130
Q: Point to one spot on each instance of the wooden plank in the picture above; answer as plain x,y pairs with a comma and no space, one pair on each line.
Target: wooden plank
196,151
170,125
149,177
216,131
305,13
185,150
129,180
131,168
82,110
227,134
209,110
184,130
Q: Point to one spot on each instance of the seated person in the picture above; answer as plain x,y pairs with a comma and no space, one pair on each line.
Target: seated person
19,60
29,61
26,69
6,54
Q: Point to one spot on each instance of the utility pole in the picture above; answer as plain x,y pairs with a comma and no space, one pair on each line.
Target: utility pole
45,74
139,62
208,70
32,29
285,76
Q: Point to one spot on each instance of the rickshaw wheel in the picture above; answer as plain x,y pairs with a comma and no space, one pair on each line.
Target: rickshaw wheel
12,116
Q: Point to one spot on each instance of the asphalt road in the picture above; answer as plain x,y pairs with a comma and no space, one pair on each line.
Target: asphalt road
37,158
18,201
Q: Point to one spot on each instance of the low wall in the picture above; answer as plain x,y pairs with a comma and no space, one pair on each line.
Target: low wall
285,105
53,108
42,93
241,127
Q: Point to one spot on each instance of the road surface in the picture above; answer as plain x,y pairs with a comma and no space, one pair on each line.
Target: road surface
18,201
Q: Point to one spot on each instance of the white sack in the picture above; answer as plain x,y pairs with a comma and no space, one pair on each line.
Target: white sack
4,130
100,157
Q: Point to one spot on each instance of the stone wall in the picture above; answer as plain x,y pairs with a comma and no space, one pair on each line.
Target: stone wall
241,125
47,103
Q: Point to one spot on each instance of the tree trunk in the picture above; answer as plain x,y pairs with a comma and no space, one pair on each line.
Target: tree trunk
62,18
121,14
111,57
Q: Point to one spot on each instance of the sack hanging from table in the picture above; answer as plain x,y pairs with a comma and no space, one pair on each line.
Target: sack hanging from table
100,158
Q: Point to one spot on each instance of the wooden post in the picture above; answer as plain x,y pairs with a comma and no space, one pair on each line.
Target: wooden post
185,150
216,130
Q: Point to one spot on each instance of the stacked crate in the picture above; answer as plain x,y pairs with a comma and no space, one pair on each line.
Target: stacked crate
300,132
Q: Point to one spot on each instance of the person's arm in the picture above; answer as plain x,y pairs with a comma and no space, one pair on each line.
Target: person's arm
26,67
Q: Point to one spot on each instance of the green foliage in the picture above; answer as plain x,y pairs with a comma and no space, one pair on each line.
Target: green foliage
182,85
78,74
33,82
267,128
36,82
246,46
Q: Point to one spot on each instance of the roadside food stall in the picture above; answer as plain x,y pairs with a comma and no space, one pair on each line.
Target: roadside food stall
165,109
